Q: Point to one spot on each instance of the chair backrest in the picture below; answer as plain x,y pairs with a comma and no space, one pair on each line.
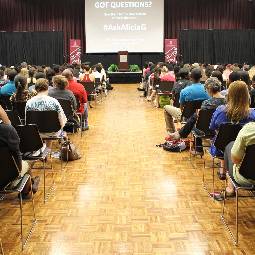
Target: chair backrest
13,117
227,133
165,86
190,108
248,163
89,87
9,170
30,139
46,121
67,108
204,120
252,105
98,82
20,107
5,102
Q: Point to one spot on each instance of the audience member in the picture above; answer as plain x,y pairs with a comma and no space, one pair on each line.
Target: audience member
196,91
80,94
9,88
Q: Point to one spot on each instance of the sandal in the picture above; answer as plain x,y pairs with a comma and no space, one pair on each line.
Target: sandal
219,196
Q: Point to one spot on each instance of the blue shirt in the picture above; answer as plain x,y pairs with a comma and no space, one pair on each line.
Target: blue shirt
8,89
195,91
220,117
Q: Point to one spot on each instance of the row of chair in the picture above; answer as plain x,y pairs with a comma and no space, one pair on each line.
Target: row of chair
226,134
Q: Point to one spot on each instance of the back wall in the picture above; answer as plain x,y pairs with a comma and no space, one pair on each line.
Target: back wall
68,16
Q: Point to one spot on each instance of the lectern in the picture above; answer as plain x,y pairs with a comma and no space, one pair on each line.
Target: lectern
123,61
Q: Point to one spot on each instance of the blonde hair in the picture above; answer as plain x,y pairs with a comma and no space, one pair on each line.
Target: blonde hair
24,72
164,69
251,72
60,81
238,101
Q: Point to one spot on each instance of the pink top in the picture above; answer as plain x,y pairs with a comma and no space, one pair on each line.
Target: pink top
167,77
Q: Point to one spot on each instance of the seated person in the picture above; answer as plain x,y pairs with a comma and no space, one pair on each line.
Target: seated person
196,91
166,75
3,81
10,139
252,92
9,88
43,102
60,90
38,75
87,76
233,156
182,83
3,116
81,95
213,88
21,94
237,110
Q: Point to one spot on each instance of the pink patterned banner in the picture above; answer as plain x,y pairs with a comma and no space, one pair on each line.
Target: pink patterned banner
171,49
75,51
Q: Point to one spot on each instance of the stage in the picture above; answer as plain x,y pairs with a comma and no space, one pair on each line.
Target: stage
125,77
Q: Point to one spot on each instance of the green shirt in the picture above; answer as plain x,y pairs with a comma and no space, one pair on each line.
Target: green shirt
245,138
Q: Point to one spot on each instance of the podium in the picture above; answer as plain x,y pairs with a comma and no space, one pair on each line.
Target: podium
123,61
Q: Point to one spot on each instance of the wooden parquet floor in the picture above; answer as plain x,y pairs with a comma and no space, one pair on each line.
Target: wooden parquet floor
126,196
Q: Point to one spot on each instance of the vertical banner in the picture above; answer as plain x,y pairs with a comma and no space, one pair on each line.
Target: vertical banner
171,49
75,51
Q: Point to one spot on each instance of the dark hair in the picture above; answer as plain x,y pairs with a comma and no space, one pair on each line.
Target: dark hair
218,75
253,78
31,72
184,73
1,73
56,69
244,76
99,68
11,75
86,67
20,84
49,75
234,76
40,75
41,85
196,74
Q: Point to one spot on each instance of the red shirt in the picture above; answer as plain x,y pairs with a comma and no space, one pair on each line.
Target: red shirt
79,92
86,78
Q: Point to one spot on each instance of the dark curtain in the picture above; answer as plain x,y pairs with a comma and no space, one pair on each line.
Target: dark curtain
33,47
207,14
217,46
66,16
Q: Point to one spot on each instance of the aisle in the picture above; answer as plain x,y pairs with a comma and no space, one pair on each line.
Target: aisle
125,196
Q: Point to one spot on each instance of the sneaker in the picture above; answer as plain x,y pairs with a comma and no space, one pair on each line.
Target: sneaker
85,128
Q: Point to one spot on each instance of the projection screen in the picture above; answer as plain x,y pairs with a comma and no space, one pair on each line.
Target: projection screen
134,26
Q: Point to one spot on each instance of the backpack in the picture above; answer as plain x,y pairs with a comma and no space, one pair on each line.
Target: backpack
174,146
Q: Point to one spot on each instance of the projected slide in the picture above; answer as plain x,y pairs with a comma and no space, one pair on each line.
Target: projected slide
134,26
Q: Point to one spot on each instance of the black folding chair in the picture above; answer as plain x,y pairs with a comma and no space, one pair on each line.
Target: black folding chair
99,88
31,142
226,134
91,91
190,108
9,172
247,171
69,112
201,130
5,102
20,107
165,88
13,117
47,122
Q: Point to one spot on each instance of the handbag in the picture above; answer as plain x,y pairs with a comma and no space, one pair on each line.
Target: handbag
69,152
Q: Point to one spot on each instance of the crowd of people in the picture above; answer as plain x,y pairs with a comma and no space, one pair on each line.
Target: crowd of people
228,90
40,88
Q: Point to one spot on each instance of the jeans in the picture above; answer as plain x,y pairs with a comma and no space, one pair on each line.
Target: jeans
187,128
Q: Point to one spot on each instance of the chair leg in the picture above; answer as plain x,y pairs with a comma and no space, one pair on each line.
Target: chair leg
44,185
1,247
21,221
236,241
234,238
